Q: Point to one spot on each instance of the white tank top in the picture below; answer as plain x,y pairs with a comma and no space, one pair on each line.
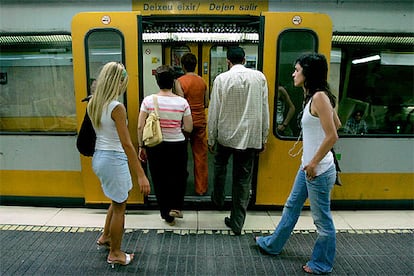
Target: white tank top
313,136
106,135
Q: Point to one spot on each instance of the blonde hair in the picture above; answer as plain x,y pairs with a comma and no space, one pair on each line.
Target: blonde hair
111,83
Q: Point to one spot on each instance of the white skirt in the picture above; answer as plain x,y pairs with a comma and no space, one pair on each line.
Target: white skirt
112,169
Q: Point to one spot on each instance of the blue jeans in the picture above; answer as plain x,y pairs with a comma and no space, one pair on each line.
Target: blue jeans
318,191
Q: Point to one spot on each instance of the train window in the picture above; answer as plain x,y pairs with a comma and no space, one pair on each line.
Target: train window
288,99
176,53
218,62
377,97
37,93
218,59
103,46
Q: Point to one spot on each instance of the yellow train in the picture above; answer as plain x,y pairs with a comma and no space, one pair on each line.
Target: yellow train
40,163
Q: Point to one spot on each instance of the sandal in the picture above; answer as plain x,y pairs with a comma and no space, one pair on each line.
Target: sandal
128,260
176,214
309,270
106,244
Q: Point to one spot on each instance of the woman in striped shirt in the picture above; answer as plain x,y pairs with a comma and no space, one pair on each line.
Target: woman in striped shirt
168,160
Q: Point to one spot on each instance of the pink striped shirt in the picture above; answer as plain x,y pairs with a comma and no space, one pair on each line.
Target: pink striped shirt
172,110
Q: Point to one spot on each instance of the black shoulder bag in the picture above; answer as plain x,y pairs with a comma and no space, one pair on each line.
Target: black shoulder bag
86,136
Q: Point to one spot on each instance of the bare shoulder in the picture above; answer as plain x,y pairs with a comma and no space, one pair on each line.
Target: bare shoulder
320,96
282,91
119,111
119,108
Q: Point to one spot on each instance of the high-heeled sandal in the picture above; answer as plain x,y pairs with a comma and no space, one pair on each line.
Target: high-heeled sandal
128,260
106,245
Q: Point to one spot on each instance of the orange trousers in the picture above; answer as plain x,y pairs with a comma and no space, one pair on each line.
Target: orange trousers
198,142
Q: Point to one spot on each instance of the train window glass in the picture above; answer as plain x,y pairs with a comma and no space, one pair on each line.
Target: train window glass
176,53
103,46
334,74
36,83
288,99
218,62
378,96
218,59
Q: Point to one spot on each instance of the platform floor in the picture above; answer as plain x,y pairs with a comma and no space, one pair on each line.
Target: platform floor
61,241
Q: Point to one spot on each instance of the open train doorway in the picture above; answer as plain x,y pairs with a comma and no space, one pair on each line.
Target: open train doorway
167,38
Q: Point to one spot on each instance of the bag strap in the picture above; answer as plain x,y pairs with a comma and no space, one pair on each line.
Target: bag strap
156,108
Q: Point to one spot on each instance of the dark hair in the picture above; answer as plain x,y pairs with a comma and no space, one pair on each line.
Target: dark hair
178,72
189,62
165,76
235,55
315,70
356,111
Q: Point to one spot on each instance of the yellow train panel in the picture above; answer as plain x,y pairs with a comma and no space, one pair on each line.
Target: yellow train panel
38,124
276,168
42,184
375,186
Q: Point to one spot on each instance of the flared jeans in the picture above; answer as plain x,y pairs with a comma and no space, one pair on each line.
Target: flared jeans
318,190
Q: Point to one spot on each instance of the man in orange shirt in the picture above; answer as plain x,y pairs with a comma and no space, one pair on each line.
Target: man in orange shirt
195,92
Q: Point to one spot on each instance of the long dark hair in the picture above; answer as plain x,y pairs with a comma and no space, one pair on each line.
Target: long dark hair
315,71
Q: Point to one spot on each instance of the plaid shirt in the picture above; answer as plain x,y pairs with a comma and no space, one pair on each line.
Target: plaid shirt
354,127
238,115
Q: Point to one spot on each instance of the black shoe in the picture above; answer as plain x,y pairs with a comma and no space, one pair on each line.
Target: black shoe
228,223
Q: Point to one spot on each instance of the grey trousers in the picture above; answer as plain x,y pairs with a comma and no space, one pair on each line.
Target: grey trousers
242,175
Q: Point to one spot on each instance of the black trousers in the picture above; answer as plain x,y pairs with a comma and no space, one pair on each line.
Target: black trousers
168,167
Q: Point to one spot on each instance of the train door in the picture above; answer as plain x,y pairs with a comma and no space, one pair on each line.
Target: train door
211,58
98,38
211,61
167,38
286,36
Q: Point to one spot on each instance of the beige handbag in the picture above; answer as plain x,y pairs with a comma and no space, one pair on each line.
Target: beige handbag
152,134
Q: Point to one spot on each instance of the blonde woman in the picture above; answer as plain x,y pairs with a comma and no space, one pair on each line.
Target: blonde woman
115,156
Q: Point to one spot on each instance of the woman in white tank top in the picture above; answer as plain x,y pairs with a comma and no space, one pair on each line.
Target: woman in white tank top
316,175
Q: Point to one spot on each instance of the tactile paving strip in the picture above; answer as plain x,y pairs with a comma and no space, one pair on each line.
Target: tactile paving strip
44,250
